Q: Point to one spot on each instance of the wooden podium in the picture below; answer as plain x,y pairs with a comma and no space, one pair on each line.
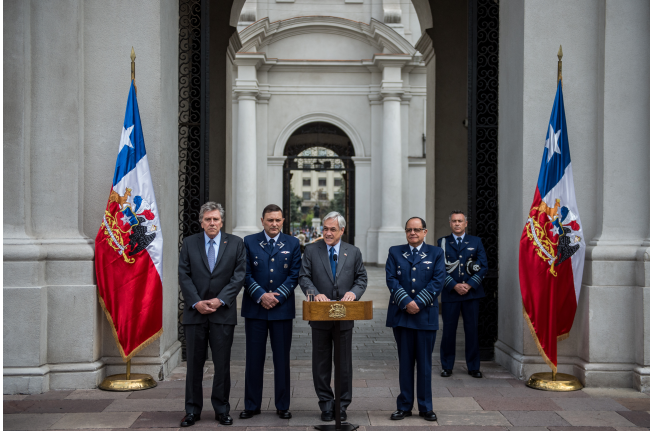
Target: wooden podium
337,311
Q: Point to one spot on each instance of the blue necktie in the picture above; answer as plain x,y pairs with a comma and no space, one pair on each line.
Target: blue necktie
415,251
211,255
460,240
333,263
271,245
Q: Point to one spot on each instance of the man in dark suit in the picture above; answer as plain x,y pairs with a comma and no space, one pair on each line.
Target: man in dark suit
211,273
273,262
463,289
414,274
335,270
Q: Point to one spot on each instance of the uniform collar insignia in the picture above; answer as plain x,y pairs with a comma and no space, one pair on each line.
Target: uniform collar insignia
422,255
262,244
406,254
280,244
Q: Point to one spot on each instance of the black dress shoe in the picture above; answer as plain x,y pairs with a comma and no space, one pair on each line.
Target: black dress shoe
429,416
475,373
189,420
445,373
343,415
224,419
400,414
246,414
283,414
327,416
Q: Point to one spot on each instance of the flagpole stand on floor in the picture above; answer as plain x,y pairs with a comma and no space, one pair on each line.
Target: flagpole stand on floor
557,382
128,381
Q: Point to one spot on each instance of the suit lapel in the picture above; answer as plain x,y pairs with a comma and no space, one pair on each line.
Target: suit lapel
342,257
324,257
224,240
202,248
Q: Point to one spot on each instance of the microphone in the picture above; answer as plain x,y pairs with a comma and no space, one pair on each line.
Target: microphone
335,258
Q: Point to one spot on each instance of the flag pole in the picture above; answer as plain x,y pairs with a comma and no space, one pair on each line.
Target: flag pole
557,382
125,382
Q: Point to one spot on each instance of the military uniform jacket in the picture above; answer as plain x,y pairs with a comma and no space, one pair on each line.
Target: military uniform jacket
418,279
275,271
470,248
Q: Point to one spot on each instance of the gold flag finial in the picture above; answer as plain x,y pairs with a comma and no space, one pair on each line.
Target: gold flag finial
133,57
559,53
559,65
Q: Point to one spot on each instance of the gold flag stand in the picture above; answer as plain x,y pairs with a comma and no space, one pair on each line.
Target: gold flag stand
128,381
553,381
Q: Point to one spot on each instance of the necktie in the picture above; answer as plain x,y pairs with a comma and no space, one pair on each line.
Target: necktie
211,255
460,240
271,245
333,262
415,251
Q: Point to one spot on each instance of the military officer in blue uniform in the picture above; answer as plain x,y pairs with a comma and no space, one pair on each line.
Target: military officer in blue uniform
415,274
273,263
466,265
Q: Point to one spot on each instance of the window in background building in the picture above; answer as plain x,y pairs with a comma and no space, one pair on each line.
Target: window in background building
337,182
307,152
338,164
322,153
306,182
322,196
321,182
306,196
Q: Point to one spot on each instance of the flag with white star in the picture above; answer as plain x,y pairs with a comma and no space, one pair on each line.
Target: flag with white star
552,246
129,245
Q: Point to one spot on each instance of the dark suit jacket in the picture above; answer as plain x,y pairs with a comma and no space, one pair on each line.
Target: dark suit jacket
471,248
198,283
315,273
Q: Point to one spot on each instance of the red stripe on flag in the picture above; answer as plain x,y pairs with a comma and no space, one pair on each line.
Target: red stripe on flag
549,300
131,296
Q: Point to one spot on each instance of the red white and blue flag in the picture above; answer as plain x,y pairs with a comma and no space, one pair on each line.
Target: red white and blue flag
129,246
552,246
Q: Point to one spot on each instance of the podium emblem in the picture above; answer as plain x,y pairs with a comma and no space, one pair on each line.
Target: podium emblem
337,311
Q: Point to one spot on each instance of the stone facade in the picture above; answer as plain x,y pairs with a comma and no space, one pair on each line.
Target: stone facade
66,79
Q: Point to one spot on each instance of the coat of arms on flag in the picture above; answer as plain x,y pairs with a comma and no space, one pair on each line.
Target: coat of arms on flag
552,246
129,246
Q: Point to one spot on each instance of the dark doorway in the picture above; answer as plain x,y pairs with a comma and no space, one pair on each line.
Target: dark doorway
318,176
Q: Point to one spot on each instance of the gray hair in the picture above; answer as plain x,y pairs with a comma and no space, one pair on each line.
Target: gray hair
335,215
211,206
457,212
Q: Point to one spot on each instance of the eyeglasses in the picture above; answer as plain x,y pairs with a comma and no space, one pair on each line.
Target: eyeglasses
416,230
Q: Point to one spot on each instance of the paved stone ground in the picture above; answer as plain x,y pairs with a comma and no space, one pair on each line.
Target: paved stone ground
495,403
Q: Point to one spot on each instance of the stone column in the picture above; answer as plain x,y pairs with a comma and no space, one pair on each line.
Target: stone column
246,90
391,231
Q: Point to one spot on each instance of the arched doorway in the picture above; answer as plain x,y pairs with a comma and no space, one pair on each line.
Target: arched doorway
318,177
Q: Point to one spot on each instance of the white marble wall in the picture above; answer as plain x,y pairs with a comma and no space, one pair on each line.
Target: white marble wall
66,92
606,85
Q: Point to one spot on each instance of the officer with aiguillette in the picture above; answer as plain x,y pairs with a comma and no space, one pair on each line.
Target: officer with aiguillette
463,289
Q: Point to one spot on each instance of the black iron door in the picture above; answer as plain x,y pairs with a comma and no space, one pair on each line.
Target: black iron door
483,106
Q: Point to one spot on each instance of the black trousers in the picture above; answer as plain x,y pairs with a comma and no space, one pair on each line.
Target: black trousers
256,333
198,337
322,361
451,312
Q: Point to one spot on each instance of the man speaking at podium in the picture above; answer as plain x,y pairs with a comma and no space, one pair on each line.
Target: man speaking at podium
414,274
335,270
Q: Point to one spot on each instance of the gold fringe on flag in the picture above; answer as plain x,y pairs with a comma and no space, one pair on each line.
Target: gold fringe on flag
537,341
143,345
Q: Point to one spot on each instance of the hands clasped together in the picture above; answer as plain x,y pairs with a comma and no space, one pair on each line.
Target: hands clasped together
462,288
208,306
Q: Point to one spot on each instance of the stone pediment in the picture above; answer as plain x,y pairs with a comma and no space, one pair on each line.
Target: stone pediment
376,34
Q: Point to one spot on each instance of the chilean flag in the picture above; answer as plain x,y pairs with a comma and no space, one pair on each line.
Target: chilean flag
552,245
129,245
